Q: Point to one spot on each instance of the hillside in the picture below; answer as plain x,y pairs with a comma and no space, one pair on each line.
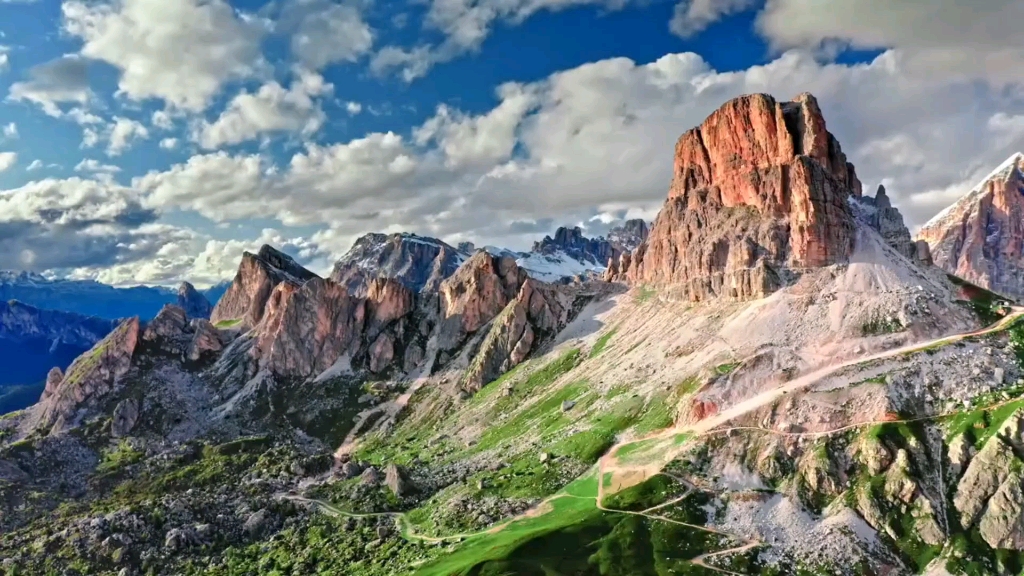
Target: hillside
774,380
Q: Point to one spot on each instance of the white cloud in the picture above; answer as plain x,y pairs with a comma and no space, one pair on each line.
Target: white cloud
486,139
181,52
34,165
60,81
169,143
122,133
693,16
163,120
950,38
92,165
353,108
5,61
325,33
271,109
7,159
10,131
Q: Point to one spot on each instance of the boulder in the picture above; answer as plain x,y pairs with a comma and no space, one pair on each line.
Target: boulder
395,480
126,415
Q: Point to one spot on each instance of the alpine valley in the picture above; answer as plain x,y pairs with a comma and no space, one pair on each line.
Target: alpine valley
773,378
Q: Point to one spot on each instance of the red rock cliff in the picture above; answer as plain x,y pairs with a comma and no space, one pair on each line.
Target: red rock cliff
760,190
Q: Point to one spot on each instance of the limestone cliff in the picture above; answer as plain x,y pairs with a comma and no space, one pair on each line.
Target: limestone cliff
760,191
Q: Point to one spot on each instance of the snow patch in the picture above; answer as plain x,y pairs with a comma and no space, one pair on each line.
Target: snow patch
554,267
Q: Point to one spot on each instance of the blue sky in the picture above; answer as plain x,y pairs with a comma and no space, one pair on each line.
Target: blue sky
148,141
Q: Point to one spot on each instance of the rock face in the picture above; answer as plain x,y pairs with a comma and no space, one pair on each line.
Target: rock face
89,378
192,302
478,292
257,276
980,237
760,190
417,262
206,339
537,311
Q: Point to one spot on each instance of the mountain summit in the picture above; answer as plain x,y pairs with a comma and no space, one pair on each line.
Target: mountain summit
980,237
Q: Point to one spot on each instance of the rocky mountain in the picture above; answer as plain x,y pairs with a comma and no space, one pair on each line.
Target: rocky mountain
193,302
417,262
775,381
90,298
980,237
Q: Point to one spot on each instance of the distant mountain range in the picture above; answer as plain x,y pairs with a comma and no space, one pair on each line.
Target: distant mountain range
91,298
421,263
32,341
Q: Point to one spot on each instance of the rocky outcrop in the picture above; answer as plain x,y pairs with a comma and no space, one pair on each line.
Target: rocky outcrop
258,274
537,311
307,328
192,302
89,378
980,238
760,191
417,262
170,323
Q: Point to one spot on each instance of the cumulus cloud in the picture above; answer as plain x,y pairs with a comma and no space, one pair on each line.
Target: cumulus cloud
10,131
271,109
181,52
34,165
120,134
5,61
7,159
169,143
325,32
61,81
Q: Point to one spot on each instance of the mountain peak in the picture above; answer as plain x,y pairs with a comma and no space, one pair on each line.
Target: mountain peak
192,302
418,262
979,237
756,173
257,275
